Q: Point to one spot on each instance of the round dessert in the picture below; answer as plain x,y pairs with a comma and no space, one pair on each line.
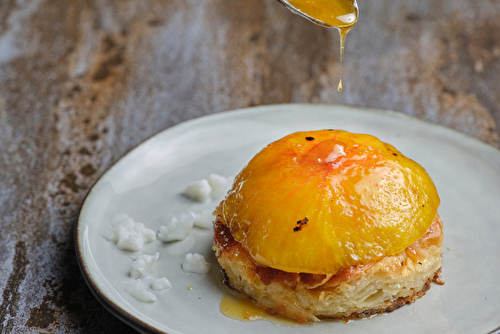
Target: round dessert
330,224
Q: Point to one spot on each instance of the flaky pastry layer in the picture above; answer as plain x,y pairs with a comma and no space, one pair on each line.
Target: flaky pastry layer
357,291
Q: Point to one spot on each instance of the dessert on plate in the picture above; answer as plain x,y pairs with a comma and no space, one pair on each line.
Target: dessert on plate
330,224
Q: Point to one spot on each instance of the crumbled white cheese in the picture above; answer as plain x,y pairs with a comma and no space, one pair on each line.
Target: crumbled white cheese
137,289
220,185
215,187
203,219
198,190
195,263
142,266
128,234
143,283
176,229
161,284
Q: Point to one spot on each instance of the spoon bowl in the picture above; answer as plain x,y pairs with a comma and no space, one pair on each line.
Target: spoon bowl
341,14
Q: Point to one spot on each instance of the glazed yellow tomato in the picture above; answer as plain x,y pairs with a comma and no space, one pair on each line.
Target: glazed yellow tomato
320,201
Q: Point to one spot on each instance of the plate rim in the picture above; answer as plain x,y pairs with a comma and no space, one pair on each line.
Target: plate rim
142,326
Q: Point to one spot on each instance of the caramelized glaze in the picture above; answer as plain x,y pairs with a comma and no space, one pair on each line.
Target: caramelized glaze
350,197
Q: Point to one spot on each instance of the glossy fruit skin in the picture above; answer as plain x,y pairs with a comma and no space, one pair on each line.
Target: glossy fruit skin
321,201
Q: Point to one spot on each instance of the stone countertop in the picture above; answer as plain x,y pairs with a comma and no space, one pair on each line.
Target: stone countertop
83,82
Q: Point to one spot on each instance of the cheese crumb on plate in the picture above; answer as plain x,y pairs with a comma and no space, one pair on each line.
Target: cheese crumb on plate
128,234
195,263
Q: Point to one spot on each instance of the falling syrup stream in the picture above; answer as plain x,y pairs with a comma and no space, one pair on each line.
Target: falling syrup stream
343,35
341,14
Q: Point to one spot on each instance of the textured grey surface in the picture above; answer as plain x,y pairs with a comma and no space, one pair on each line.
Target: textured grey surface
82,82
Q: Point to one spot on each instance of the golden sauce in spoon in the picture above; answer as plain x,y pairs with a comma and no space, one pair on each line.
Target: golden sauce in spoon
340,14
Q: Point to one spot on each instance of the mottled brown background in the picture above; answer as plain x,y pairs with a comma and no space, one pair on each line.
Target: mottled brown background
83,82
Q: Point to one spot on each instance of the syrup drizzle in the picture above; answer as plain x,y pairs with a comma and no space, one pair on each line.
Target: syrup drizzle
343,35
340,14
242,309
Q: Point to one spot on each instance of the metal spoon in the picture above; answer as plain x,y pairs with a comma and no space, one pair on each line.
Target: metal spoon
349,20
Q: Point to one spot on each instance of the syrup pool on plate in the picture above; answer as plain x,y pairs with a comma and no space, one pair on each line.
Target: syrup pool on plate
340,14
240,308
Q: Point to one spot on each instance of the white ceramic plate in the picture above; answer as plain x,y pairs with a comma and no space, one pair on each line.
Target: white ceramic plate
146,184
